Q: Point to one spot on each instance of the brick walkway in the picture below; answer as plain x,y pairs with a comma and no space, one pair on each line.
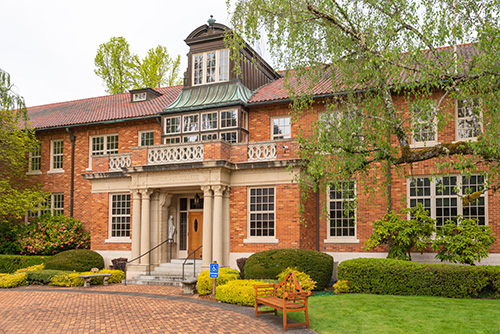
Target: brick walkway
125,309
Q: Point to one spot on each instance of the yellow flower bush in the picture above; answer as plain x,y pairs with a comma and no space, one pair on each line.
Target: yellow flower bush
205,282
341,287
240,292
304,279
12,280
32,268
72,279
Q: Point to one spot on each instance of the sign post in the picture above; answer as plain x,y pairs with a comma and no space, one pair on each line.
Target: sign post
214,274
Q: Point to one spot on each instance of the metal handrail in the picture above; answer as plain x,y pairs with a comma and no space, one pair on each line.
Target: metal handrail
149,258
194,262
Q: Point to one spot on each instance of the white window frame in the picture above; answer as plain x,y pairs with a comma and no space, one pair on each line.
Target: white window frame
184,117
244,120
261,239
205,122
139,97
225,133
139,136
168,140
36,154
52,208
457,119
105,147
165,126
284,135
435,194
193,138
427,143
342,239
119,239
209,134
232,112
220,73
53,155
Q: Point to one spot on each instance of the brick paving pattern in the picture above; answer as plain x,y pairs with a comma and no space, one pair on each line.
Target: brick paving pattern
124,309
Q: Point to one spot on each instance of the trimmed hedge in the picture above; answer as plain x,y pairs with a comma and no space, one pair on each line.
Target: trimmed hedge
42,276
72,279
240,292
75,260
205,283
269,264
11,263
396,277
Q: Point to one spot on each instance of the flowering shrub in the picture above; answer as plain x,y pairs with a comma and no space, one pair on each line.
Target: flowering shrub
49,235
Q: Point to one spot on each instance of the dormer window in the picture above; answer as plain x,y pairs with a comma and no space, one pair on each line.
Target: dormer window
143,94
139,97
210,67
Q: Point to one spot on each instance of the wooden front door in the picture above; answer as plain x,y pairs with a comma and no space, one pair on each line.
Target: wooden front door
195,236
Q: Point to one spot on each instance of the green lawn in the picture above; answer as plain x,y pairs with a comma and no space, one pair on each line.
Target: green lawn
373,314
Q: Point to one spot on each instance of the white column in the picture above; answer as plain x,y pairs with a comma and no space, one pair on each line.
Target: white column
226,227
207,227
145,225
136,224
218,236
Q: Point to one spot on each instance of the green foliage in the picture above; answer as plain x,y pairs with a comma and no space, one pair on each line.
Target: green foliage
12,280
269,264
12,263
341,286
464,243
397,277
240,292
53,234
304,279
16,142
67,279
42,277
403,236
205,283
75,259
10,230
72,279
122,70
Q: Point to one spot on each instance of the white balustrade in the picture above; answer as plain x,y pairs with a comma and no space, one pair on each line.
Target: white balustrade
262,152
119,161
168,154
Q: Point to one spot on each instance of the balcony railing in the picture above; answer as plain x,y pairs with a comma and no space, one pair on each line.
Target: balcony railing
262,152
119,161
167,154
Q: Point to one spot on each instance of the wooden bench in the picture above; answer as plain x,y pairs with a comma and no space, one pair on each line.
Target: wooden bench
87,278
286,296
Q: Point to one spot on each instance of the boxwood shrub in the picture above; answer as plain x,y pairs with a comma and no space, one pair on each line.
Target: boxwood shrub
75,260
396,277
41,276
269,264
11,263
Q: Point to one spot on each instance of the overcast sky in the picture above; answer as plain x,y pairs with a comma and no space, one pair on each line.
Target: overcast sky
49,46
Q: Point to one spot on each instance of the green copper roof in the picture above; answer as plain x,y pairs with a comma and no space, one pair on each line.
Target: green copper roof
210,96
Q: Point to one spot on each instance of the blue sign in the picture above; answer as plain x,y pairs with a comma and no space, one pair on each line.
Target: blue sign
214,270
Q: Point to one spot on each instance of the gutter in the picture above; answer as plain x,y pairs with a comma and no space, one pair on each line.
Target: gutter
96,123
72,186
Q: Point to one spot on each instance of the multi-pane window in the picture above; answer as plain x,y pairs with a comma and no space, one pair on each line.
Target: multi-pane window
280,128
228,118
230,137
191,123
172,125
468,119
442,197
209,121
209,136
172,140
190,139
261,212
146,138
101,145
120,215
139,97
54,205
56,154
35,158
423,123
211,67
342,211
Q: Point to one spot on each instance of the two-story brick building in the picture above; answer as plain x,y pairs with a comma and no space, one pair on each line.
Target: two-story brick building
211,164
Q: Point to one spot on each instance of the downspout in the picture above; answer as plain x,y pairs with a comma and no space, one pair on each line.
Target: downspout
317,216
72,186
389,179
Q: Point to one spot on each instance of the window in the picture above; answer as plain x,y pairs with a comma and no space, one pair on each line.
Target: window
423,123
35,159
280,128
190,123
244,120
209,136
209,121
261,212
54,205
120,216
468,119
190,139
146,138
172,125
210,67
172,140
101,145
342,210
139,97
228,119
441,196
230,137
56,154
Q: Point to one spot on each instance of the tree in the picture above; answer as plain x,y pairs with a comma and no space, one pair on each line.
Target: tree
122,70
16,142
403,236
466,242
387,71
